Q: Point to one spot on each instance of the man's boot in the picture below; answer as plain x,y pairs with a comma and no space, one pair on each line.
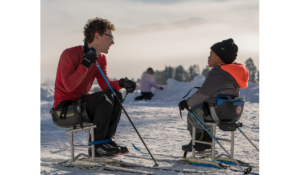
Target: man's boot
105,149
198,146
124,149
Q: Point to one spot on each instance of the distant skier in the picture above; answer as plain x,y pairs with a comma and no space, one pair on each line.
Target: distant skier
226,78
76,73
147,81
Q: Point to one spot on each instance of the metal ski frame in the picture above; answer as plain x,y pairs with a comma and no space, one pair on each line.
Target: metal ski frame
124,111
246,171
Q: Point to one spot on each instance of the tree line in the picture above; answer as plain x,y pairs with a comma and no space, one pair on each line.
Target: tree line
180,74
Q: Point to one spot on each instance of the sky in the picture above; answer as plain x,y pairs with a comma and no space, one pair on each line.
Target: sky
150,33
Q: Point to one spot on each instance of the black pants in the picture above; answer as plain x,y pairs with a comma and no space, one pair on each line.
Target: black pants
145,95
104,111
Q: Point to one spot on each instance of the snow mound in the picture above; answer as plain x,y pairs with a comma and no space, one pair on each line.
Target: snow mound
47,94
172,93
251,93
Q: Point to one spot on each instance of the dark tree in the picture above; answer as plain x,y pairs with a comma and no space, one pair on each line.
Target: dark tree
251,69
180,73
169,72
193,72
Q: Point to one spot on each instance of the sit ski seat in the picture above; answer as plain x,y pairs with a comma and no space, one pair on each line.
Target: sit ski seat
75,119
225,114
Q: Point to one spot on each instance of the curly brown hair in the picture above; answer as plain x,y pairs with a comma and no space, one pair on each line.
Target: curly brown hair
96,25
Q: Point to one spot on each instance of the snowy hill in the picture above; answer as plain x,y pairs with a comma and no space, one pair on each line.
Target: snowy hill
160,126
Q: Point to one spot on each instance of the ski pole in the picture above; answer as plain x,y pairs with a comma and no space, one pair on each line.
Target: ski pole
124,111
215,140
248,139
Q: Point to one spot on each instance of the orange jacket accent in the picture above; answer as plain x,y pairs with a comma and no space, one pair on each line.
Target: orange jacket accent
238,71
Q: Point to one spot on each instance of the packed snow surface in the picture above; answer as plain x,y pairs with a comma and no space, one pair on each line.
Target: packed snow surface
159,124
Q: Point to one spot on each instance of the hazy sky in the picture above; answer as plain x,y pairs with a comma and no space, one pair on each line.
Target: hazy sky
150,33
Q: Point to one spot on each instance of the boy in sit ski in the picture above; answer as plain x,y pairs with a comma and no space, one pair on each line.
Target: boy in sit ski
226,77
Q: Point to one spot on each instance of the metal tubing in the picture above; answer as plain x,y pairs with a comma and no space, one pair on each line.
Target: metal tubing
81,154
72,146
93,146
125,112
225,140
232,144
193,141
248,139
88,133
213,145
81,146
79,129
203,142
213,138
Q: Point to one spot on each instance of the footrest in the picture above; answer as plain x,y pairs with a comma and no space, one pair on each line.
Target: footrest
100,142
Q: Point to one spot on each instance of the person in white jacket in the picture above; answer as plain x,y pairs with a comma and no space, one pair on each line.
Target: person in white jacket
147,81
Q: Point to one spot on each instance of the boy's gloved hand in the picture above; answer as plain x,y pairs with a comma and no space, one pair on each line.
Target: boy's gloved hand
129,85
183,105
161,88
89,58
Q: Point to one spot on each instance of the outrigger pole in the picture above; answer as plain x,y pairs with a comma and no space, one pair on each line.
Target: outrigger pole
124,111
248,139
247,170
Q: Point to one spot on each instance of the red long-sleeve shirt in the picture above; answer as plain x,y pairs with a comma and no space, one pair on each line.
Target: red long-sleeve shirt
73,79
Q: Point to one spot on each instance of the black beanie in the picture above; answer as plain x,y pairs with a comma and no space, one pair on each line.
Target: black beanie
226,50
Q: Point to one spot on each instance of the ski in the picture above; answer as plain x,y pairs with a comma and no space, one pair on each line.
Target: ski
99,166
204,154
185,161
120,163
112,164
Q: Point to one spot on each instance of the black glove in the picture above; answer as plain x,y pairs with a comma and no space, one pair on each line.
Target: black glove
183,105
89,57
129,85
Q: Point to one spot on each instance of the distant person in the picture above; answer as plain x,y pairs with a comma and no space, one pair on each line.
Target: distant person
147,81
226,77
76,73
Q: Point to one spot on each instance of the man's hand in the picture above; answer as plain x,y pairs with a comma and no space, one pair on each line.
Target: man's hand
89,58
183,105
129,85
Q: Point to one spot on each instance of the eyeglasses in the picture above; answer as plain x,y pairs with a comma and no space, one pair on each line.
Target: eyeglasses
111,37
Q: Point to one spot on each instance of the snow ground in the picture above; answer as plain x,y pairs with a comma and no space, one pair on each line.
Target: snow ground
159,124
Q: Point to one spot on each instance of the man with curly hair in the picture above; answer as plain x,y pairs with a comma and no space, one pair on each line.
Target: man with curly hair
76,73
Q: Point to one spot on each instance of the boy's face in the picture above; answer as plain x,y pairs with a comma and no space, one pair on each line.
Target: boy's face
213,59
